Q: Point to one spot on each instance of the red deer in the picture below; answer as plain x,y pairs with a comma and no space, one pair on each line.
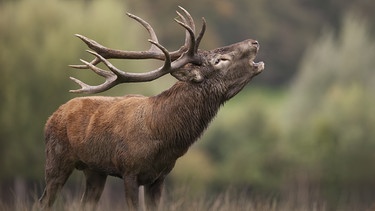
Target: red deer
139,138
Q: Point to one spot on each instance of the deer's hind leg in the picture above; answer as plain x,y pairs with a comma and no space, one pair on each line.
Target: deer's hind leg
58,168
95,182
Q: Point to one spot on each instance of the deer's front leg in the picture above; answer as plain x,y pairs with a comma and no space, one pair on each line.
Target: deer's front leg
131,192
153,194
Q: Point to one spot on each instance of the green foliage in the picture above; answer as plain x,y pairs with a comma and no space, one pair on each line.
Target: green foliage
241,147
331,108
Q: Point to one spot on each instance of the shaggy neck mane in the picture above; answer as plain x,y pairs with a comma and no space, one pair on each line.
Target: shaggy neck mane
181,113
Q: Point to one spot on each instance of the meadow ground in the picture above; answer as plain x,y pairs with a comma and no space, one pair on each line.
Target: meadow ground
181,199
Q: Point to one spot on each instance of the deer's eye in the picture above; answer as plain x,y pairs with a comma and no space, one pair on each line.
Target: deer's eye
217,61
220,61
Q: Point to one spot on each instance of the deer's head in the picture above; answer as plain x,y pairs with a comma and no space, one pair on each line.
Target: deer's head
231,67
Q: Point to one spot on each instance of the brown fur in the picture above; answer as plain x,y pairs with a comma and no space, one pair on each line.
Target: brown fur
140,138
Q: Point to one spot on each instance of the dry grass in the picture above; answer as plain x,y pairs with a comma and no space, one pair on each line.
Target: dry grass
221,202
183,199
180,201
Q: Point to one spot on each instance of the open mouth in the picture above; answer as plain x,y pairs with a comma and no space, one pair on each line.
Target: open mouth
257,66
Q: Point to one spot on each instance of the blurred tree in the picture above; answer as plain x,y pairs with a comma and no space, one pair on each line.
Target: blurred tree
331,110
243,143
333,63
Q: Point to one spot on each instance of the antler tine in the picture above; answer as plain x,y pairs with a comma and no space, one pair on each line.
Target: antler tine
99,71
149,28
200,35
168,60
190,18
119,54
92,89
188,36
80,66
110,79
191,42
133,77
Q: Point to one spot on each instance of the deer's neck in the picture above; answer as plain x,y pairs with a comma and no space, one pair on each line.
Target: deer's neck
182,113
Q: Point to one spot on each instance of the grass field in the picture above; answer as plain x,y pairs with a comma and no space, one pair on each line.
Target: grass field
182,199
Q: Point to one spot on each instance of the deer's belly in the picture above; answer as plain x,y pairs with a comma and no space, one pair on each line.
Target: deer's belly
150,175
108,169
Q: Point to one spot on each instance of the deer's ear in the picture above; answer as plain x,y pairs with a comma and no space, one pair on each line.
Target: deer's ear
188,75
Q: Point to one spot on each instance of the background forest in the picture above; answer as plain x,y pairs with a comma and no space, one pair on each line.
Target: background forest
303,131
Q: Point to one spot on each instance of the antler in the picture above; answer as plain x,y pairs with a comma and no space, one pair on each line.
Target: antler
172,60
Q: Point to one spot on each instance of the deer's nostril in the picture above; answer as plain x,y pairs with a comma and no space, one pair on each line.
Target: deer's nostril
256,43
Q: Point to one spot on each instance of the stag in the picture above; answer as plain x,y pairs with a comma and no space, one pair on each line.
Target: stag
139,138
